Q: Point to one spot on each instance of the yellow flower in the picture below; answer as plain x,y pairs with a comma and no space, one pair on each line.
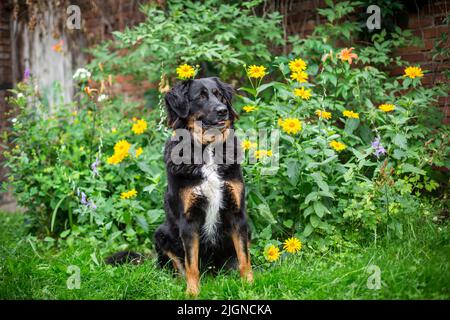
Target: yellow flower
257,72
128,194
74,113
263,153
292,245
122,147
338,146
347,55
185,72
249,108
81,148
113,130
413,72
300,76
139,152
303,93
323,114
291,125
350,114
280,122
139,127
272,253
297,65
386,107
247,145
116,158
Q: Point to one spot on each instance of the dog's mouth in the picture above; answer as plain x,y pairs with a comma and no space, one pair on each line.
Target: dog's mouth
214,125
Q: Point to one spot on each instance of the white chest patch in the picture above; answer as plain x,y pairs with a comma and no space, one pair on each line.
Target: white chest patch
211,189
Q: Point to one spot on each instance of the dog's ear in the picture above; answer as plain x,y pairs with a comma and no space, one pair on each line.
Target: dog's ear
177,103
227,92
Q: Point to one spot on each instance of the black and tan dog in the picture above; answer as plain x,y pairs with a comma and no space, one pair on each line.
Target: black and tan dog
206,224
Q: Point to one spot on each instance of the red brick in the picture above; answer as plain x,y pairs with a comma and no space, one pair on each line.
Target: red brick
414,56
435,32
416,22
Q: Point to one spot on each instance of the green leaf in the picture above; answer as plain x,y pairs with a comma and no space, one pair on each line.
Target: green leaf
142,222
351,125
308,230
52,224
400,140
263,87
310,197
288,223
314,220
320,209
406,167
249,90
292,170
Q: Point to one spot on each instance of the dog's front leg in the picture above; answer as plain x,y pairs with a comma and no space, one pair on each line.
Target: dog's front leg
190,238
241,243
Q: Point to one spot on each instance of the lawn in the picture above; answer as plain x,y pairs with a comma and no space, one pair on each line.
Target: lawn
415,267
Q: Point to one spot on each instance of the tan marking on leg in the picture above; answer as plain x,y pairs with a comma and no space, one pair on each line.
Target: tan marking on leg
188,198
245,266
177,265
235,188
191,265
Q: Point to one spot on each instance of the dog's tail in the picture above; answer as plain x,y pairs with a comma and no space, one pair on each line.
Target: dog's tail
123,257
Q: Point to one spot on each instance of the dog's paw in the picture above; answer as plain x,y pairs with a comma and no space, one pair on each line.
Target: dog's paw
249,277
192,291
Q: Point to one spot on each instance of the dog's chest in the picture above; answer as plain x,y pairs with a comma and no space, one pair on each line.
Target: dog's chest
212,189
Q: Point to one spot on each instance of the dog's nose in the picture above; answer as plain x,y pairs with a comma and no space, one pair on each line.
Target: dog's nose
222,112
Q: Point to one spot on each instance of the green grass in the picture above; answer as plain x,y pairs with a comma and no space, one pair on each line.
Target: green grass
416,267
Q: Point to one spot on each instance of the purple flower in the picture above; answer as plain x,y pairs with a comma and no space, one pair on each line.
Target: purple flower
83,198
26,74
94,167
379,149
92,205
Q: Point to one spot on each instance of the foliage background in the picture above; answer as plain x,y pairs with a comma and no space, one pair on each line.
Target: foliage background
325,198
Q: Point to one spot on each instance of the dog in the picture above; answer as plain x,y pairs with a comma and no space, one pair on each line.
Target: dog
206,224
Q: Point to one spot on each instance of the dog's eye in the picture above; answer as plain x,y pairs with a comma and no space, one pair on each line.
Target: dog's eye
219,96
203,95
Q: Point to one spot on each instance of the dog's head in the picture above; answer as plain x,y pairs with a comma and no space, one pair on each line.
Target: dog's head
206,101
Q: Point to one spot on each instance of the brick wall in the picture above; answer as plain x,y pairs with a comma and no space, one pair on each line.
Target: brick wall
427,22
5,72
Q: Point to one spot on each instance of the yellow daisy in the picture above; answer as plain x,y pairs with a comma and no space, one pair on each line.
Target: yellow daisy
122,147
249,108
323,114
247,145
350,114
139,152
128,194
139,126
300,76
386,107
185,72
116,158
291,125
303,93
297,65
338,146
272,253
413,72
292,245
257,72
263,153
